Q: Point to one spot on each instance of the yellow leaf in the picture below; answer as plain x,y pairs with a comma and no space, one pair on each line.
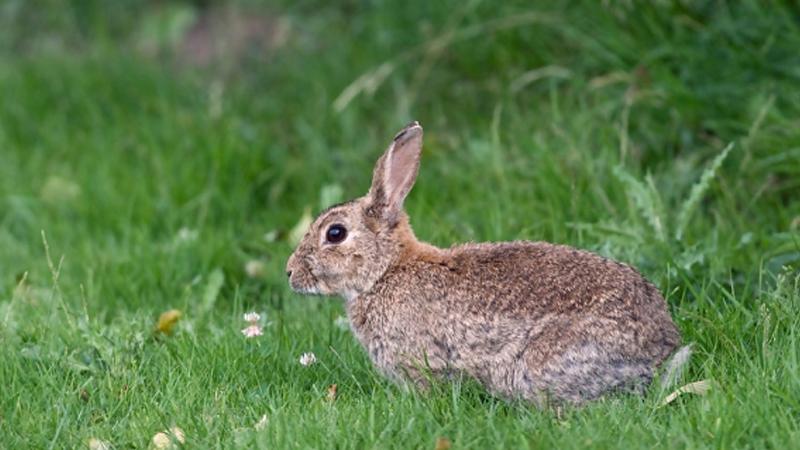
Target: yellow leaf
331,396
698,388
262,423
442,443
57,190
167,321
254,268
299,230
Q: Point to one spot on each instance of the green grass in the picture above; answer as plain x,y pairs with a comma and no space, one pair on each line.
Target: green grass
131,184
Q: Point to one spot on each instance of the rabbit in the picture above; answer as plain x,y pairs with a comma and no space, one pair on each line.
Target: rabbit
533,321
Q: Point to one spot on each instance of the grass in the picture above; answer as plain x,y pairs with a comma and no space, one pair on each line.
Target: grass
132,182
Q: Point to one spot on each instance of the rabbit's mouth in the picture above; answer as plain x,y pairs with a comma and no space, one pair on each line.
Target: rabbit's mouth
306,290
301,279
307,283
302,285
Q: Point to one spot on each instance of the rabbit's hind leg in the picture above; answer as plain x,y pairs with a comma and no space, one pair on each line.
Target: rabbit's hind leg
587,370
573,361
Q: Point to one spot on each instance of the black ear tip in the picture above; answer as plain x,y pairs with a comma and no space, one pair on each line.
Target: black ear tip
409,131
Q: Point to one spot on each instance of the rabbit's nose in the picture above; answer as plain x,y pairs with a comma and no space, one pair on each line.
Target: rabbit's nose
289,265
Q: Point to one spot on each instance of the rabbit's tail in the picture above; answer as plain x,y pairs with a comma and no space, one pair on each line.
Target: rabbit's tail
674,367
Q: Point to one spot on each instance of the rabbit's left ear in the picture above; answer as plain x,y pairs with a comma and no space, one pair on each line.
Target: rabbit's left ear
395,173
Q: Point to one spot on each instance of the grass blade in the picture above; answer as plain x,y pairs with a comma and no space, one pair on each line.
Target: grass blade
698,190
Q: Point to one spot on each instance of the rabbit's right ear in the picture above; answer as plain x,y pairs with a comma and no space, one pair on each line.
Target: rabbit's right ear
395,173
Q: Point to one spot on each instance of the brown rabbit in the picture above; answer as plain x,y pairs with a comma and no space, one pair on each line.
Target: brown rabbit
528,320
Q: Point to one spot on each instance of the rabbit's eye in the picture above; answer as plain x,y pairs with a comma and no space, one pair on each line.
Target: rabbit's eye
336,233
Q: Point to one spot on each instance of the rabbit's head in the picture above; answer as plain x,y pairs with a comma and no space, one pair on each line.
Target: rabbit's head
349,246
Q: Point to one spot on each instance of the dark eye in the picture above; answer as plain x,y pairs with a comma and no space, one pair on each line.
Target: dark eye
336,233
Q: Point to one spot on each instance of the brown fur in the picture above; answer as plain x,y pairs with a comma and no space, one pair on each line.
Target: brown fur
529,320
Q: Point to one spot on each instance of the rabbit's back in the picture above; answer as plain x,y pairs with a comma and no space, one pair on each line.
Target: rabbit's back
539,277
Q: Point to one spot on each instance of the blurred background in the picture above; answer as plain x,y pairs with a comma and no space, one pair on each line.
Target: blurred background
129,126
158,154
125,122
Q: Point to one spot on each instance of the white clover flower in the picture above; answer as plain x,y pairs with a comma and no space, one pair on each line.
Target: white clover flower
252,331
254,328
308,358
98,444
252,317
168,439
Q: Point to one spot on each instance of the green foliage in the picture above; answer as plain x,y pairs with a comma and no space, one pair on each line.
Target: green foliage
137,175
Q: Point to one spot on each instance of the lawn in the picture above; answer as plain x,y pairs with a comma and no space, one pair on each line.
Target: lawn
158,156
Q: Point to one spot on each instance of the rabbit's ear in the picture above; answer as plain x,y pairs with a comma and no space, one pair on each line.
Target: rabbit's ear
395,173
